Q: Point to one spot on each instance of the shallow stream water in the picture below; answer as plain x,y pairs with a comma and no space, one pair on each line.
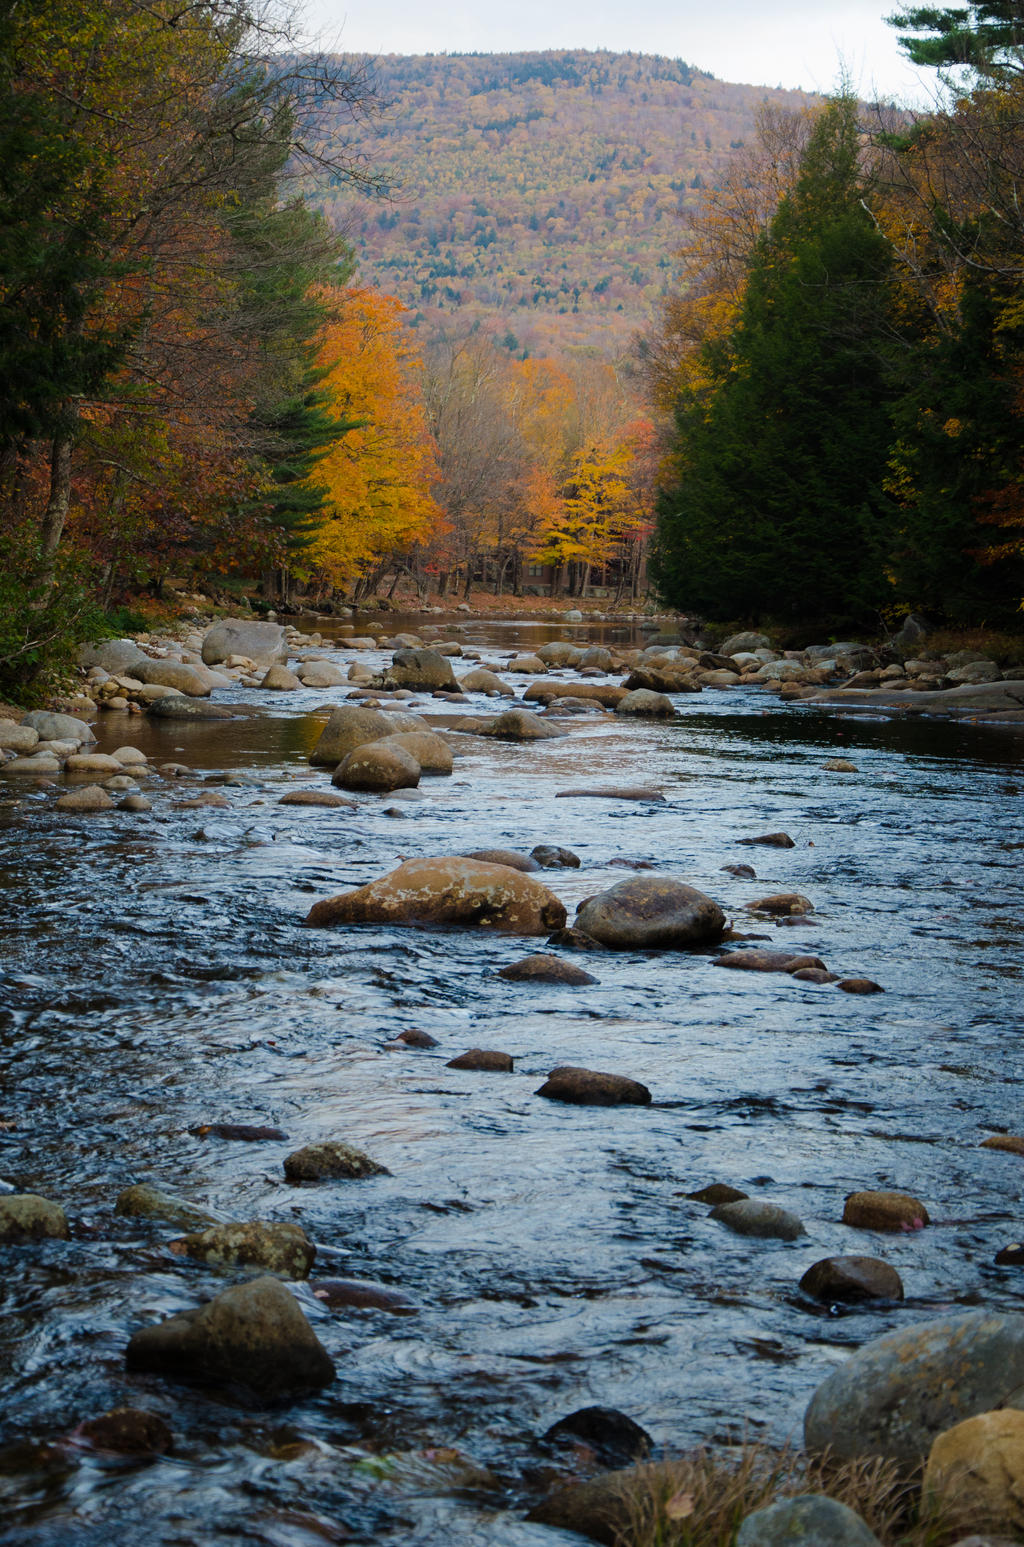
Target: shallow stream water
155,975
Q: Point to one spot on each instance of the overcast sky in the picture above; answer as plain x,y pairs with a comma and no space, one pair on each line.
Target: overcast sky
797,43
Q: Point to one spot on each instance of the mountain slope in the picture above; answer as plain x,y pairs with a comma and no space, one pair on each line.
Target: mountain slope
541,193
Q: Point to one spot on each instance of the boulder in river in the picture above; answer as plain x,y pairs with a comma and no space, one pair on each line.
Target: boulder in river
486,1060
175,707
641,792
377,766
351,726
27,1217
364,1294
518,725
50,726
330,1161
480,680
851,1280
716,1193
279,679
1012,1143
259,641
782,903
281,1249
612,1437
896,1393
253,1335
421,670
509,857
860,986
82,763
126,1431
892,1211
550,857
648,913
644,702
173,674
144,1202
545,968
89,797
15,737
753,1216
976,1468
430,750
746,640
447,890
593,1088
316,798
754,960
770,841
320,674
809,1520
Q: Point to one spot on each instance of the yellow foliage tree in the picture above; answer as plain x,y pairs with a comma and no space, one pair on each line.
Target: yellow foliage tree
379,471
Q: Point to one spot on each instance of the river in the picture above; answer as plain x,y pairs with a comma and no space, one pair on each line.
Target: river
155,976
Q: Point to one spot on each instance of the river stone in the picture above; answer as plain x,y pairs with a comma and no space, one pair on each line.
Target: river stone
514,861
839,765
750,960
176,707
483,681
550,857
320,674
851,1280
352,726
613,1437
814,975
642,701
641,792
896,1393
89,798
860,986
253,1334
1012,1143
414,1037
650,913
752,1216
782,903
518,725
377,766
317,798
809,1520
57,727
130,757
592,1088
559,652
447,890
527,663
27,1217
364,1294
745,641
39,763
280,680
487,1060
977,1467
260,642
127,1431
245,1133
330,1161
135,803
892,1211
771,841
144,1202
429,750
17,738
92,763
716,1193
575,940
601,1507
421,670
545,968
113,655
148,693
974,673
742,872
284,1250
173,674
670,678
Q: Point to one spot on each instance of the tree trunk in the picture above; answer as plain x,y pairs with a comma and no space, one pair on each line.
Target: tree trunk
57,505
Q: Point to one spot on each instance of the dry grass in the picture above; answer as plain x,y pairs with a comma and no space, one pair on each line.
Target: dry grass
701,1499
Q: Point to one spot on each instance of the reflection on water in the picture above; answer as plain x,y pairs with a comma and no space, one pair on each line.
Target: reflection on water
155,976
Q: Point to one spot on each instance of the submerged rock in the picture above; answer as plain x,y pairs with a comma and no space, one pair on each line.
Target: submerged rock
752,1216
716,1193
852,1280
523,862
483,1059
896,1393
651,913
285,1250
591,1087
790,903
753,960
893,1211
364,1295
640,792
317,798
447,890
860,986
253,1335
127,1431
550,857
771,841
545,968
27,1217
144,1202
91,797
613,1437
329,1161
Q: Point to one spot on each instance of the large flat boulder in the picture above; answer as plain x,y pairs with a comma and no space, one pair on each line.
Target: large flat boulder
352,726
447,890
173,674
57,727
986,697
252,1335
898,1392
262,643
650,913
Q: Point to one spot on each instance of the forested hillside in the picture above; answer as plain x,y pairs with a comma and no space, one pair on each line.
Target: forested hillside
541,191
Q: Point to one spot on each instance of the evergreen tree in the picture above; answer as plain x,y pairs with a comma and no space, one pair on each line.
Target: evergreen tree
987,38
776,506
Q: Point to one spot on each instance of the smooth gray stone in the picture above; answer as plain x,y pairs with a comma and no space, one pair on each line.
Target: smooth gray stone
810,1520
